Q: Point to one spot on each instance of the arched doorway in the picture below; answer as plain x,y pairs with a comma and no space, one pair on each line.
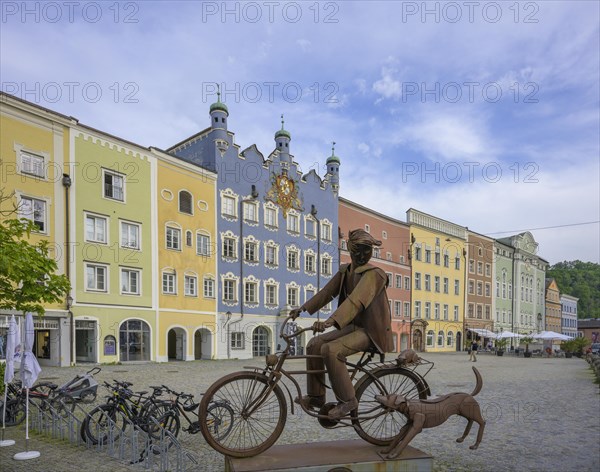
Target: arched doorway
202,344
458,341
418,340
134,341
261,342
176,345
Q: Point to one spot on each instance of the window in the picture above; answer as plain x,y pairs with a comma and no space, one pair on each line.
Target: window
455,312
271,217
406,283
309,294
406,308
456,287
130,279
209,287
113,186
398,281
130,235
488,270
202,245
388,256
436,284
228,206
376,253
437,257
479,268
430,338
428,255
251,251
417,281
96,277
446,285
479,312
309,263
389,278
457,262
251,212
188,238
436,311
397,308
34,210
173,238
229,248
292,259
310,227
428,282
446,260
479,288
292,296
445,312
190,284
229,290
95,228
417,309
418,252
326,266
440,339
250,292
237,340
471,266
32,164
427,310
384,235
185,203
271,255
326,231
488,312
169,283
292,223
367,228
470,311
488,290
471,287
271,294
497,289
449,339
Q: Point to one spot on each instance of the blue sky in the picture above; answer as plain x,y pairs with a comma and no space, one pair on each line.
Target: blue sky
485,115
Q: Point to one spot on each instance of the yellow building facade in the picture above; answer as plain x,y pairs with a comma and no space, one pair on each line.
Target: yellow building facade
186,270
438,254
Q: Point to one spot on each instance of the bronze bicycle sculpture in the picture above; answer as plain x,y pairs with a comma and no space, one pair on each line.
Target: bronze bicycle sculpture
259,401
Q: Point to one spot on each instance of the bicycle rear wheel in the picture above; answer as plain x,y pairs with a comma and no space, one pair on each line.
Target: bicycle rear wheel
102,423
379,425
259,414
220,419
15,412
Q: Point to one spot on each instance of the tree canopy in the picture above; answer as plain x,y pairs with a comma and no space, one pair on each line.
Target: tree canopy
28,279
582,280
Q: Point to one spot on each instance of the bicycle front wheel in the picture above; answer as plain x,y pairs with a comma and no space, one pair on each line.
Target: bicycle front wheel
374,423
259,414
15,412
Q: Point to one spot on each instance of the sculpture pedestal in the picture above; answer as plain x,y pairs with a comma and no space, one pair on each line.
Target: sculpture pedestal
350,455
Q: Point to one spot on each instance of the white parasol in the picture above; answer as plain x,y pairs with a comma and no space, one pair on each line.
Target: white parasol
30,369
550,335
508,334
13,350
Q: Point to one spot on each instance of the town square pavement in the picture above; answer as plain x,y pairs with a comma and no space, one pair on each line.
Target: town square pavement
542,415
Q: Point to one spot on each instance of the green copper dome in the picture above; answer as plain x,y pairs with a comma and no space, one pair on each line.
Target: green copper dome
282,133
333,159
219,105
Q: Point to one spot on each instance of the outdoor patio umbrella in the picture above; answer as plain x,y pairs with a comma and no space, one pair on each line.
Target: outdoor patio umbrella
508,334
13,348
551,335
30,369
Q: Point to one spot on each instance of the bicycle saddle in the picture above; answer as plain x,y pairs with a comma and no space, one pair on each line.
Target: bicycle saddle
191,407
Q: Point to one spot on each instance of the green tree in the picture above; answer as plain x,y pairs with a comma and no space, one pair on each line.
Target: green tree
581,280
28,278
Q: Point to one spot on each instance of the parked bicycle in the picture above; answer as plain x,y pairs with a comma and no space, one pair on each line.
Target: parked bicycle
15,400
260,408
124,406
219,414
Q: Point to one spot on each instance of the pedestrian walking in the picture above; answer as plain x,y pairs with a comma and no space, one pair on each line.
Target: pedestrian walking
473,356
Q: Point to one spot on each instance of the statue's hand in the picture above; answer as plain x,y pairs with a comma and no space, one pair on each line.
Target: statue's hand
320,326
295,313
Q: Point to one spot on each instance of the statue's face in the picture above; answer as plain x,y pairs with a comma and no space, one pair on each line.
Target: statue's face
361,254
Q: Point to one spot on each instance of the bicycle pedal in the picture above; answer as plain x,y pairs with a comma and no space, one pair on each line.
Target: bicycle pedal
324,419
194,427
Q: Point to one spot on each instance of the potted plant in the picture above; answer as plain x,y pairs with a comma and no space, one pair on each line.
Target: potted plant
568,347
579,345
527,340
501,346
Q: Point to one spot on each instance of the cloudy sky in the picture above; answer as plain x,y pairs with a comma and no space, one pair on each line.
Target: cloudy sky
484,114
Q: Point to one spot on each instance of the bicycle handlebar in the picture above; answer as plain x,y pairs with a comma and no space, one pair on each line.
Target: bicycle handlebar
298,332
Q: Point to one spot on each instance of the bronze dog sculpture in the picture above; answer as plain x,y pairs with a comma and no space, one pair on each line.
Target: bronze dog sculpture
430,413
408,356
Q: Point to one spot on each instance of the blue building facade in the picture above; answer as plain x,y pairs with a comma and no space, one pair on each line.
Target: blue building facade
277,235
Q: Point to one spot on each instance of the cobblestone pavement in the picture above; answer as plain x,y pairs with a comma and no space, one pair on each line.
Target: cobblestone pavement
542,415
